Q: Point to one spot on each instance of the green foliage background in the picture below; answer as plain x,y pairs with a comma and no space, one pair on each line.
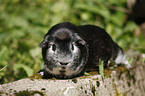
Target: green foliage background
23,24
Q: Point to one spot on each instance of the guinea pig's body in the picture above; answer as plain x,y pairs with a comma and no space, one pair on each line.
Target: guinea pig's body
69,50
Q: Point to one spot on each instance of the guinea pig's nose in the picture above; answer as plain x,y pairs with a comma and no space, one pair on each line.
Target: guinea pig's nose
63,63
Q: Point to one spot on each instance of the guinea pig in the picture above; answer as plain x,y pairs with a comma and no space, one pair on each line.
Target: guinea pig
68,50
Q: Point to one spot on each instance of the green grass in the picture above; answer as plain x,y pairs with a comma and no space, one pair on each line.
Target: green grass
101,68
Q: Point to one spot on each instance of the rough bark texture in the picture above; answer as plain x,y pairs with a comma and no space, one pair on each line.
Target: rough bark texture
122,83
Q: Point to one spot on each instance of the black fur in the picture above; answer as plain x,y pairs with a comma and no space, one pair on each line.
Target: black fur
92,41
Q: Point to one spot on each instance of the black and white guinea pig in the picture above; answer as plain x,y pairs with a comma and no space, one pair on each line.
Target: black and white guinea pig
68,50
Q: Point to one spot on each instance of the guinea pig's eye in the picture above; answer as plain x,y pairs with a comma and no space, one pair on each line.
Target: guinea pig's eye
72,46
53,47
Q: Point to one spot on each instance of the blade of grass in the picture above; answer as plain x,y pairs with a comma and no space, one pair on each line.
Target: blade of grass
101,68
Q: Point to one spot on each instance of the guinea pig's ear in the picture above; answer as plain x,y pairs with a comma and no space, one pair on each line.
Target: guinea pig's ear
44,42
83,45
80,40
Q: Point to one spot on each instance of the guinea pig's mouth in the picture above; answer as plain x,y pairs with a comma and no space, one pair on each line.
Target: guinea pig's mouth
62,70
66,71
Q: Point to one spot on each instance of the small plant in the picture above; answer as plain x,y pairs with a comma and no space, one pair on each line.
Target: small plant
101,68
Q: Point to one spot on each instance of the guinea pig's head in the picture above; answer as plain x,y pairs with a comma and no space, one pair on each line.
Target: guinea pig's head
64,52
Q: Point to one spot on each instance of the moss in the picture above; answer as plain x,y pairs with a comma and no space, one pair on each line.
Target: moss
53,79
37,92
43,89
86,91
93,73
23,93
28,93
93,90
2,92
84,77
116,91
74,80
86,74
36,76
108,72
121,69
98,83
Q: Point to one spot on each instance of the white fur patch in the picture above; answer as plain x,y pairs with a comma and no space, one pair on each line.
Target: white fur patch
41,73
50,50
75,49
121,59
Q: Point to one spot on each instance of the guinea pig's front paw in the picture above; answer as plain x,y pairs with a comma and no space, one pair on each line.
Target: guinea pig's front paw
45,74
41,73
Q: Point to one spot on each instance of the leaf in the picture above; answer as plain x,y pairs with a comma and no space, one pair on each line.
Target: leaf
35,52
104,12
3,36
118,18
2,53
15,21
28,70
130,26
